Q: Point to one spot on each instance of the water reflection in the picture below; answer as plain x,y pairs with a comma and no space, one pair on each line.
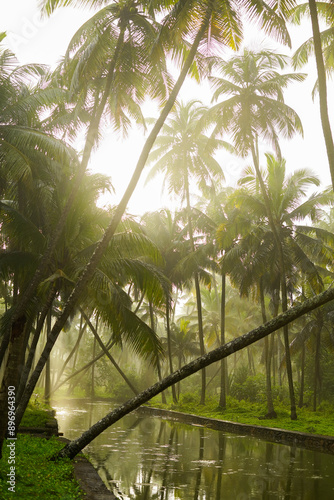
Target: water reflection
149,458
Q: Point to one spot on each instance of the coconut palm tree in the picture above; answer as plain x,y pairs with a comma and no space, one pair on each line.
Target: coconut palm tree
288,206
75,446
164,229
256,109
213,23
184,153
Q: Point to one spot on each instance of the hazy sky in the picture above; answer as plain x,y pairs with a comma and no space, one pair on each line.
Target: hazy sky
45,41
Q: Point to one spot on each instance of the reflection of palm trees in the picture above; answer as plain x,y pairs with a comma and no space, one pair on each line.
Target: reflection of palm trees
200,465
221,457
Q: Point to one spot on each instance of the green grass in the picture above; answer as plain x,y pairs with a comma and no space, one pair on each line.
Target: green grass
245,412
36,476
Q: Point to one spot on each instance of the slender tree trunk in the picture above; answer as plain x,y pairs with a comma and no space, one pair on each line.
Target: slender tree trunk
74,350
302,377
107,353
32,351
198,293
47,387
12,373
271,413
153,326
75,446
316,381
169,347
110,231
223,363
83,368
326,127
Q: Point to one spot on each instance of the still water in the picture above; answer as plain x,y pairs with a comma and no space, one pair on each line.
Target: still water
145,458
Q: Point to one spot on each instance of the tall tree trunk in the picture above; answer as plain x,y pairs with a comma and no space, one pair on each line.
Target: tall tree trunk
107,353
74,350
293,413
100,249
84,368
198,293
153,327
75,446
169,347
12,373
316,381
271,413
47,387
40,323
326,127
223,363
302,377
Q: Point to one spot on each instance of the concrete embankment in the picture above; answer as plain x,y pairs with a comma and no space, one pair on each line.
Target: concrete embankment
313,442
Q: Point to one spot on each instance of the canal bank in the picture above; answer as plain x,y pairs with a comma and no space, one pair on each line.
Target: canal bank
313,442
90,483
176,455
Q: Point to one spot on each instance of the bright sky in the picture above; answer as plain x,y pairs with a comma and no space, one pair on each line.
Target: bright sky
45,41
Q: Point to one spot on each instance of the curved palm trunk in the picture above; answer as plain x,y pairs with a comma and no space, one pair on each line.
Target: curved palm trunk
75,446
99,251
293,414
326,127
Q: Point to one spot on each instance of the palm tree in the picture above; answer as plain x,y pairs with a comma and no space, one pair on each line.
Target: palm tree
213,22
286,195
256,109
183,152
75,446
121,37
321,44
226,29
164,230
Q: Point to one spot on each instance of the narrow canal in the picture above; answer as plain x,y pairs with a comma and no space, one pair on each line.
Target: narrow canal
145,458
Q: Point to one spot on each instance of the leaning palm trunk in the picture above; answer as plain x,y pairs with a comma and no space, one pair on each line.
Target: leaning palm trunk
283,280
102,246
89,144
326,127
75,446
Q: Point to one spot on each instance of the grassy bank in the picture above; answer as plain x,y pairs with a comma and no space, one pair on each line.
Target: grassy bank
33,475
319,422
